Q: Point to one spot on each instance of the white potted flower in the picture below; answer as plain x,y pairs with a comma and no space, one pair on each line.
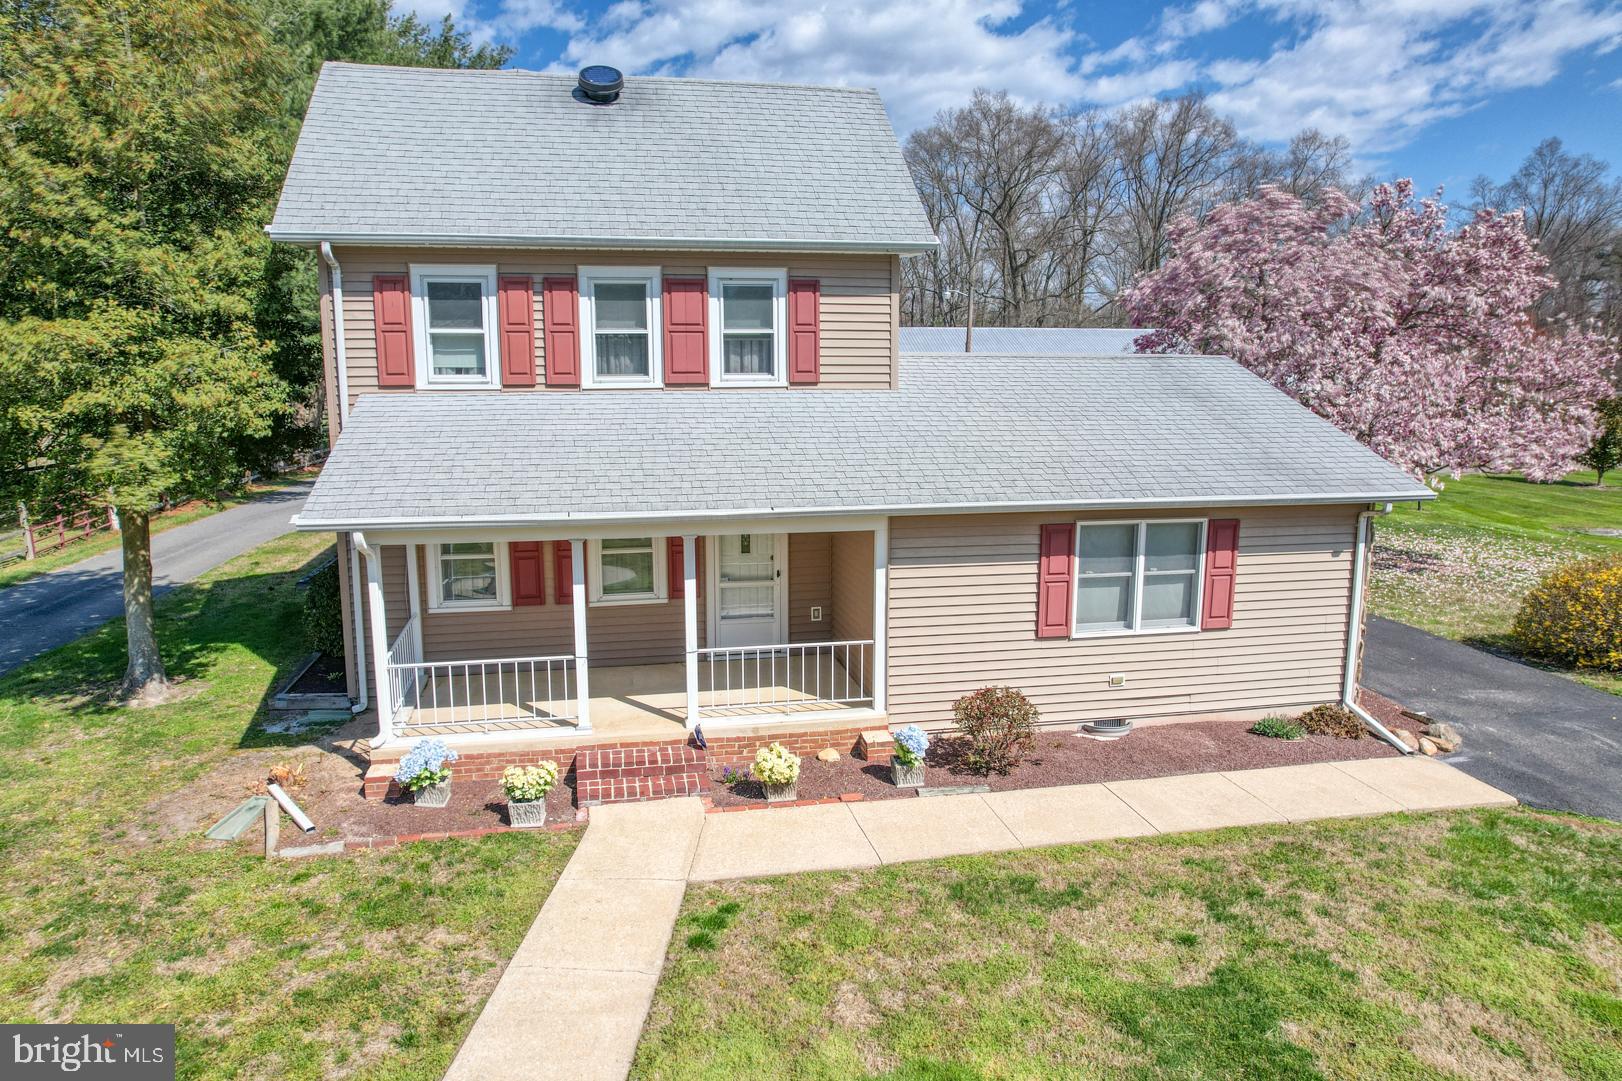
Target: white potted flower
425,772
777,769
907,760
526,788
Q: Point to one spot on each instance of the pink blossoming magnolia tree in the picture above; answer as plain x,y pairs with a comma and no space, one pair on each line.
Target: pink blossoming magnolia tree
1416,339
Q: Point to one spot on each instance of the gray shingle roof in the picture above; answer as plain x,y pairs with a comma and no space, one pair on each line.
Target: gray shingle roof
1025,432
513,157
1072,341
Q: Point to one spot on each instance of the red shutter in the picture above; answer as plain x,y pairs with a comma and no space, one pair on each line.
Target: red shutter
674,569
1221,563
517,330
1053,580
804,330
391,315
529,580
560,307
687,332
563,567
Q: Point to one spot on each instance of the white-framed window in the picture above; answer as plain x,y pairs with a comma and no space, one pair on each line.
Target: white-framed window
1139,577
453,320
748,326
626,570
468,576
619,318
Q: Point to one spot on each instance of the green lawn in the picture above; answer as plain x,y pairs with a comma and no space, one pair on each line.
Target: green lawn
113,908
1471,945
97,543
1459,565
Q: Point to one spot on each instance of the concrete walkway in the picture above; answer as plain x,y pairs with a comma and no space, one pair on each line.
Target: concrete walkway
574,997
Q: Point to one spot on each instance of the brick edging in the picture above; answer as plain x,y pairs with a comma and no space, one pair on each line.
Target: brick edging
848,797
452,835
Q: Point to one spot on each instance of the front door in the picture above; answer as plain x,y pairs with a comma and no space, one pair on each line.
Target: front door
749,588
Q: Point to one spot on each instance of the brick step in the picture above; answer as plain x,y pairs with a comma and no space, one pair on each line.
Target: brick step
631,774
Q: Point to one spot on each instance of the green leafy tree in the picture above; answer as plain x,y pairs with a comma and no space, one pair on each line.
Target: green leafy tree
141,147
1606,452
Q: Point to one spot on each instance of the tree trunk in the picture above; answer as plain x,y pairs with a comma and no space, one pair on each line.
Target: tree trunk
144,679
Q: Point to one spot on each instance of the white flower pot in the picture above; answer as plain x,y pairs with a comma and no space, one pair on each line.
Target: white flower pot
527,814
435,795
907,776
780,793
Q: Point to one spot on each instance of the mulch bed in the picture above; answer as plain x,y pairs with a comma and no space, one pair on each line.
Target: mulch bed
1065,759
325,676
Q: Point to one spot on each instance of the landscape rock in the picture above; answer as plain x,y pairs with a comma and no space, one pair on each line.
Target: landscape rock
827,754
1444,736
1426,746
1409,740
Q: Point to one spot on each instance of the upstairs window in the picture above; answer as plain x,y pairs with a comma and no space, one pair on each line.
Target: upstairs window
619,309
454,321
1135,577
468,575
627,570
748,313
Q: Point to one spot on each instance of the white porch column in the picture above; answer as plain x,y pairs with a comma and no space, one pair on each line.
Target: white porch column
689,574
881,600
582,689
414,597
377,619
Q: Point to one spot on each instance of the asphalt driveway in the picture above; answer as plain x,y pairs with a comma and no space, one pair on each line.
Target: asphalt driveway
53,609
1546,740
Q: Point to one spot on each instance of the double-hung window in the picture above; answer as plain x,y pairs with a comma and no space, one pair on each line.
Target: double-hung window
1135,577
468,575
619,311
454,321
627,570
748,313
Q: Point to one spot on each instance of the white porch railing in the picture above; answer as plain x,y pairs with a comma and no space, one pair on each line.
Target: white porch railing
446,694
785,678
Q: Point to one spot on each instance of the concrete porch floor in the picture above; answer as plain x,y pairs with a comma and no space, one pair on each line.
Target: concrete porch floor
633,702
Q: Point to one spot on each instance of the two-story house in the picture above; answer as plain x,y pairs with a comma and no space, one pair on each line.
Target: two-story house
625,442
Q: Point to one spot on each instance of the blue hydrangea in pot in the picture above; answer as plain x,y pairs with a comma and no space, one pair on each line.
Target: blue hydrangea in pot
907,760
425,772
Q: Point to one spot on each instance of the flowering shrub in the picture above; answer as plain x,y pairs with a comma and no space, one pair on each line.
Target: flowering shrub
1331,720
910,744
733,776
999,723
427,763
776,765
1574,615
526,784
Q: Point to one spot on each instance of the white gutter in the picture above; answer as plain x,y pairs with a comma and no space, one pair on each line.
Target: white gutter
338,354
504,520
621,243
363,700
1354,631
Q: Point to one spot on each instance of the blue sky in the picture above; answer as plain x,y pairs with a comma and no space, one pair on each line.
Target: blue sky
1440,90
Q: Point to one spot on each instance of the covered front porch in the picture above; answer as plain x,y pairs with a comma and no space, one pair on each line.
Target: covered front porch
610,639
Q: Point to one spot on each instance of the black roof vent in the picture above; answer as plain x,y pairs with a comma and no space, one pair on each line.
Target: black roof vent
599,82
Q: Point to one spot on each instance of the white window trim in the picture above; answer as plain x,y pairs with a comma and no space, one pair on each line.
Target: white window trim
421,274
594,577
503,601
1137,630
590,277
778,280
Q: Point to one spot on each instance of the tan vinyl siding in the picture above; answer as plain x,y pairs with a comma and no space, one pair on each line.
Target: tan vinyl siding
962,615
851,569
860,309
808,586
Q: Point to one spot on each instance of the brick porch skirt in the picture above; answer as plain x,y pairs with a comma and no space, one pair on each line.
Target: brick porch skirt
671,760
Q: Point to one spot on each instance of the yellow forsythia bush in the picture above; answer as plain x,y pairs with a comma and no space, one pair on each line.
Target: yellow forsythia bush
1574,615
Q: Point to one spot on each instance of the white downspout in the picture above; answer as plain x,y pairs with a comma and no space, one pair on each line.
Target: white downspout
341,360
339,354
1354,631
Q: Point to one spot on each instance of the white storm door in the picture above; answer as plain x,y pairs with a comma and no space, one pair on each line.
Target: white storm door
750,585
